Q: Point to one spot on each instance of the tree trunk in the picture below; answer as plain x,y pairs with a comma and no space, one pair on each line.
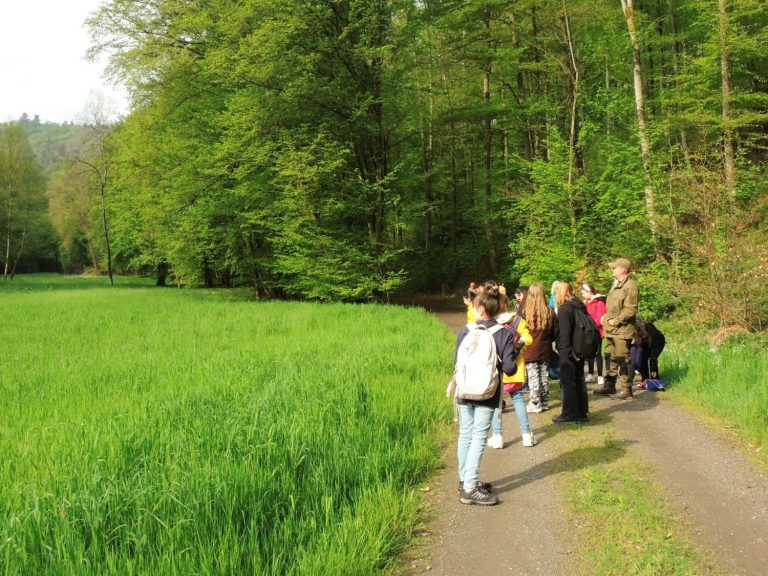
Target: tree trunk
573,133
645,145
725,70
103,187
487,151
8,235
676,49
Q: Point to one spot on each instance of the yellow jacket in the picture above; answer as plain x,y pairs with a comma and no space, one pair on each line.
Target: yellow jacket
522,329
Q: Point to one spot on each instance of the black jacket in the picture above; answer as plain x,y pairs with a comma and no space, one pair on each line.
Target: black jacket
566,319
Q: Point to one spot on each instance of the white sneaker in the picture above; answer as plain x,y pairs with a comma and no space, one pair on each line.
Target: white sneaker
528,440
535,408
496,441
589,378
600,381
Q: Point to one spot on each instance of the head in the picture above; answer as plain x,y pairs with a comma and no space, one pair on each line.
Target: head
520,293
620,267
536,309
588,291
563,293
488,301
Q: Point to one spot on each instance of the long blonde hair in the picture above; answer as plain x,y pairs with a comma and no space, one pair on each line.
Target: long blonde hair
536,308
563,293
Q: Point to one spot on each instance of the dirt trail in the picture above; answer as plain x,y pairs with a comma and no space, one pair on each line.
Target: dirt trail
721,496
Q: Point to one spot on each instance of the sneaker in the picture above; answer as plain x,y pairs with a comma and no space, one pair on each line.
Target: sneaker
600,381
589,378
535,408
496,441
544,406
528,440
479,497
624,395
484,486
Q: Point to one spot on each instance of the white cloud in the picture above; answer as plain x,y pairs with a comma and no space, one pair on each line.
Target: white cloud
43,70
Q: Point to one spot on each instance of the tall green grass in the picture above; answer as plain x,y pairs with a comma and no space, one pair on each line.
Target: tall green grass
148,431
729,383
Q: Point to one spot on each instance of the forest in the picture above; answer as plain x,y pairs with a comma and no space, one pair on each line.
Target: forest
352,149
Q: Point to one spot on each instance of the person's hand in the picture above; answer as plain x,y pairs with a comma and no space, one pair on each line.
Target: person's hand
654,374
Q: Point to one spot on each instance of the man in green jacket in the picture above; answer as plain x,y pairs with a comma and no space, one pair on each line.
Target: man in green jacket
619,325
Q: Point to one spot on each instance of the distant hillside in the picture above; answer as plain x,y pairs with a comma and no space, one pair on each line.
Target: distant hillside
50,140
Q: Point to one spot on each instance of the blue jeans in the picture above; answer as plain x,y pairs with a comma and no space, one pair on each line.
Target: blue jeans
522,415
474,422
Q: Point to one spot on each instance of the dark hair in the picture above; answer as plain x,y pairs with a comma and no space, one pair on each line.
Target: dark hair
589,288
489,298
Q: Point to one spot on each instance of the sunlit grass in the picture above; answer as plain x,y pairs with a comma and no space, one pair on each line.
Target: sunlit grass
150,431
729,384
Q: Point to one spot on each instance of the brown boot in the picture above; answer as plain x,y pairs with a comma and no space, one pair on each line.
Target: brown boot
625,394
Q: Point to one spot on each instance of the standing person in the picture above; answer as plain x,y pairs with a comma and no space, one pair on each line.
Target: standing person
552,294
475,415
542,326
469,297
619,325
596,307
575,400
513,384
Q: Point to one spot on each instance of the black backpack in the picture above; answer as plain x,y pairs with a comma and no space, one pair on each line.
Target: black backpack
586,335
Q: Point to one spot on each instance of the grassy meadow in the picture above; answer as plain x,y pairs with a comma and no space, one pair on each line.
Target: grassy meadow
728,383
165,431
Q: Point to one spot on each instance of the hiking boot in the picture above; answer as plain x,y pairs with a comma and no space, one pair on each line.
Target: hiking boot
495,441
624,395
528,440
589,378
534,408
479,497
604,390
484,486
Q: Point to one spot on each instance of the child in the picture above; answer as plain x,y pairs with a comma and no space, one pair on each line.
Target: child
513,385
469,297
542,326
475,415
596,308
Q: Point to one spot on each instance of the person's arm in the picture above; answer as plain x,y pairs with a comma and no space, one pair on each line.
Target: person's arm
565,324
629,308
508,354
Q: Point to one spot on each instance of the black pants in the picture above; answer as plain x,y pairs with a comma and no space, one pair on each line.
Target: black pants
575,398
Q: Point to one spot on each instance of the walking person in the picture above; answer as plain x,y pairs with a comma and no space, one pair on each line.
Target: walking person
575,399
542,326
475,415
595,303
620,330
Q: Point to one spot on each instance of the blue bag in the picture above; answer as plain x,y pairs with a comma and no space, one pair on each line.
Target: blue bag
655,384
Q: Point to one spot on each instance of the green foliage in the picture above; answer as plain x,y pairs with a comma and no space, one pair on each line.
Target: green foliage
712,379
176,432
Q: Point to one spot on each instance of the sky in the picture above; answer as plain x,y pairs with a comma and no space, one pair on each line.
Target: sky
43,70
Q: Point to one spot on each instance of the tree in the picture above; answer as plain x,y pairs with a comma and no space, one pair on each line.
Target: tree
22,192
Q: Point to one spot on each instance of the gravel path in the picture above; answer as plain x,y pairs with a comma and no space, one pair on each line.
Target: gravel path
720,495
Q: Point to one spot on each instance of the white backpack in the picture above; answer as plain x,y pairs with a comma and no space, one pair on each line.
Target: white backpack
477,364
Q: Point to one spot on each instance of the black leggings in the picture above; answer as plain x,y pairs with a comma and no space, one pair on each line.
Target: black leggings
597,359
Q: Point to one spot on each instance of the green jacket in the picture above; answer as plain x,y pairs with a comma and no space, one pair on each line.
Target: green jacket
621,305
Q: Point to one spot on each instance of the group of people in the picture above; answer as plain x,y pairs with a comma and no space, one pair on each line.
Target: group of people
536,331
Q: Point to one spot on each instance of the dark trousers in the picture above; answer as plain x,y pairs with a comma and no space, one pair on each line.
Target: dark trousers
575,398
596,360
